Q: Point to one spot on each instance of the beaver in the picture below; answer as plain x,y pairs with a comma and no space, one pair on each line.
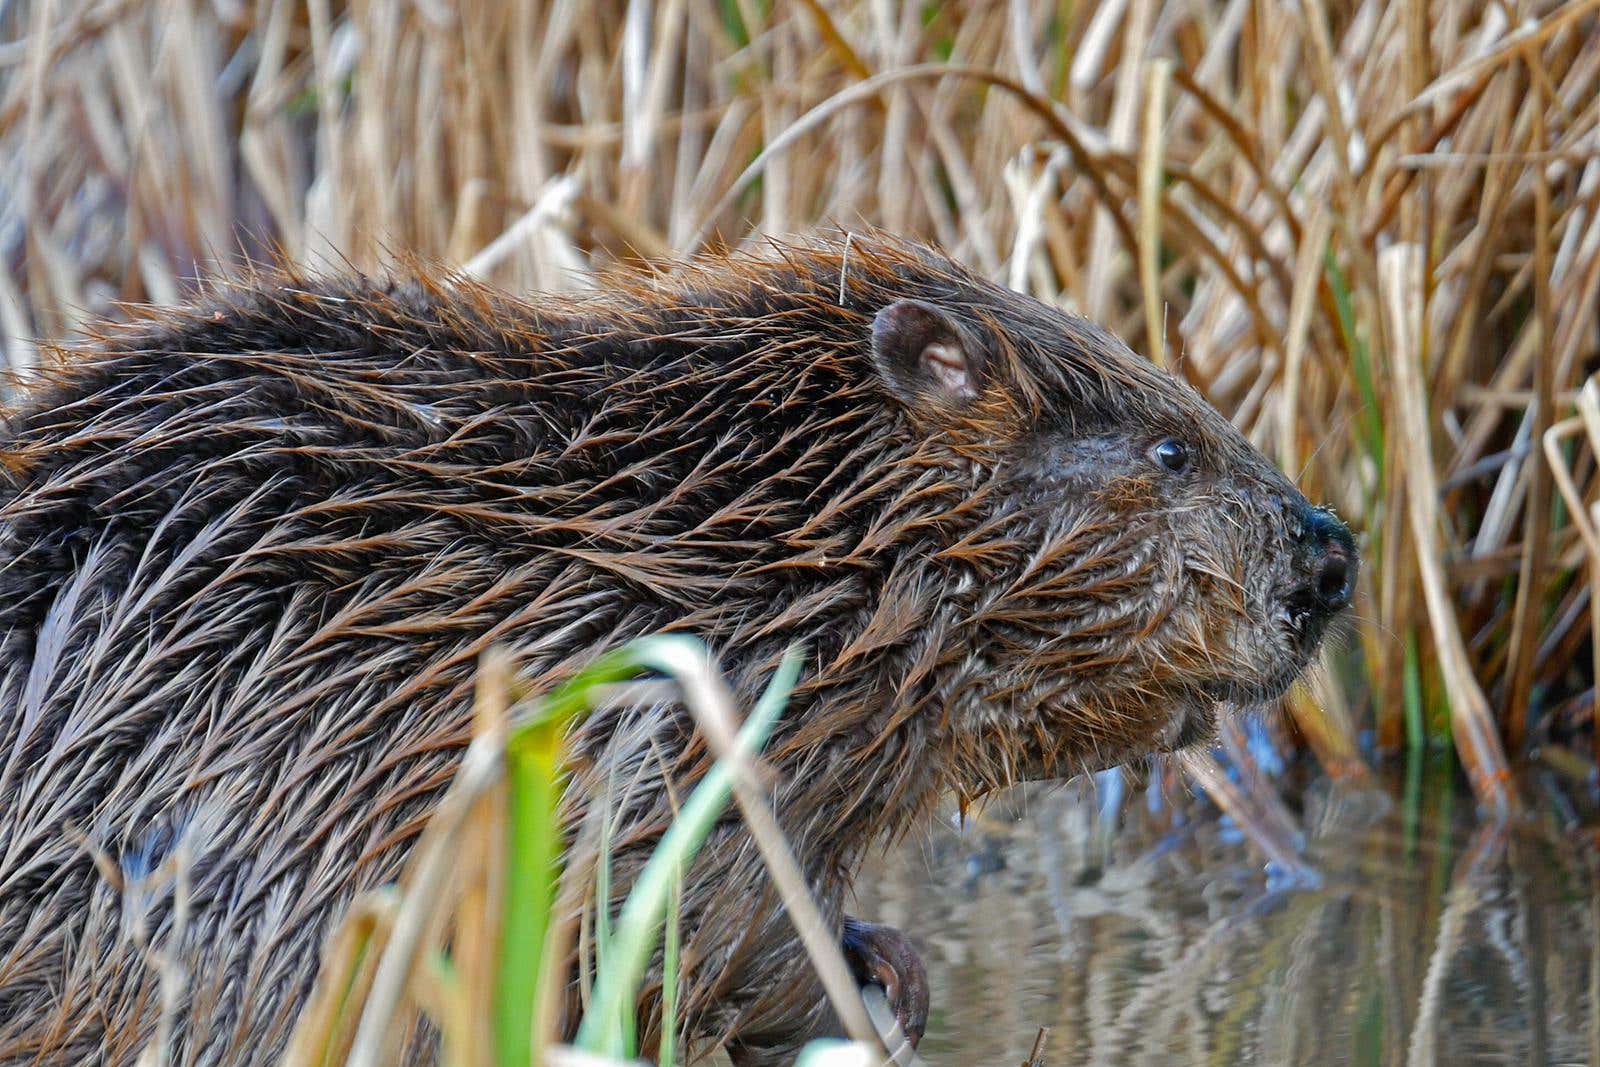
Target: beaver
251,550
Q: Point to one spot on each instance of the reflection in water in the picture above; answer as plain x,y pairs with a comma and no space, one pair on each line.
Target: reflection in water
1427,939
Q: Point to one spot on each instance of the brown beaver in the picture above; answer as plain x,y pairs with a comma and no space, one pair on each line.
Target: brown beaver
251,550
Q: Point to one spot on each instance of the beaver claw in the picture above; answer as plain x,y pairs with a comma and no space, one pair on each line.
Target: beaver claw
882,956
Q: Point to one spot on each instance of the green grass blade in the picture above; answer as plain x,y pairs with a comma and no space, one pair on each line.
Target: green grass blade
533,867
1370,418
1416,732
668,1052
621,1031
535,784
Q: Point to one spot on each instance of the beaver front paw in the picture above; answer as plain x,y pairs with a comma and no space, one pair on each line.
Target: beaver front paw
882,956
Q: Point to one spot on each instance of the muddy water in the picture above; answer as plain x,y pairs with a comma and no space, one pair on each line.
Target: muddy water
1154,936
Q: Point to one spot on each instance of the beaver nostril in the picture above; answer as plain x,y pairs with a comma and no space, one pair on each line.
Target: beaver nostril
1328,554
1333,581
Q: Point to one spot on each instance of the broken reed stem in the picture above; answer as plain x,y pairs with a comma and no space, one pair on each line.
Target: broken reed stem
483,868
1269,834
324,1032
430,870
1036,1055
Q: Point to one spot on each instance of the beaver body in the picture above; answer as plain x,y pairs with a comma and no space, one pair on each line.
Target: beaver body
251,550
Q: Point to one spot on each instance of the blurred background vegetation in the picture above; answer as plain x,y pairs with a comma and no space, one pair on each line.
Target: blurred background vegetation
1369,231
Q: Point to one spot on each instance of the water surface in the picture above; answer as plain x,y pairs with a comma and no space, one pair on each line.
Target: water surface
1148,938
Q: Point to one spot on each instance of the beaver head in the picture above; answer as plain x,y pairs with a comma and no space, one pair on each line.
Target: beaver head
1126,559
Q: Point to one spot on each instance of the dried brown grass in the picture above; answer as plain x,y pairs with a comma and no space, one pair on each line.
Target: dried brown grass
1369,230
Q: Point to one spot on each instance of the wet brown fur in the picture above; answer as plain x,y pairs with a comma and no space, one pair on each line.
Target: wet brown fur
250,551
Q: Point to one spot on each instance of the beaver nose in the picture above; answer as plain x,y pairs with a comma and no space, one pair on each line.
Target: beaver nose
1332,552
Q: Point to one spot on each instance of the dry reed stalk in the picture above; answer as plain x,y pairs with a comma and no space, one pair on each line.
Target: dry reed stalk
477,924
1473,726
325,1033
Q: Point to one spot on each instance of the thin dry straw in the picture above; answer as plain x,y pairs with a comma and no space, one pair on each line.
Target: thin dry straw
1400,270
1151,152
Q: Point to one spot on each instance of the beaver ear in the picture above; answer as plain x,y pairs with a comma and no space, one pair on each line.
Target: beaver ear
922,353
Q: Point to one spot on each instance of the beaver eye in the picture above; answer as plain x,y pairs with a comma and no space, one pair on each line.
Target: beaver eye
1172,454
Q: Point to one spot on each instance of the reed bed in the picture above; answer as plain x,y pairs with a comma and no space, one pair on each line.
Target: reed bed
1370,231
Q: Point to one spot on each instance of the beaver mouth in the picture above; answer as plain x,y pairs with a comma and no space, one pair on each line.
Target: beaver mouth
1263,688
1303,624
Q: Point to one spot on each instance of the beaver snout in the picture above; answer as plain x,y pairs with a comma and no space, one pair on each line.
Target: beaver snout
1327,564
